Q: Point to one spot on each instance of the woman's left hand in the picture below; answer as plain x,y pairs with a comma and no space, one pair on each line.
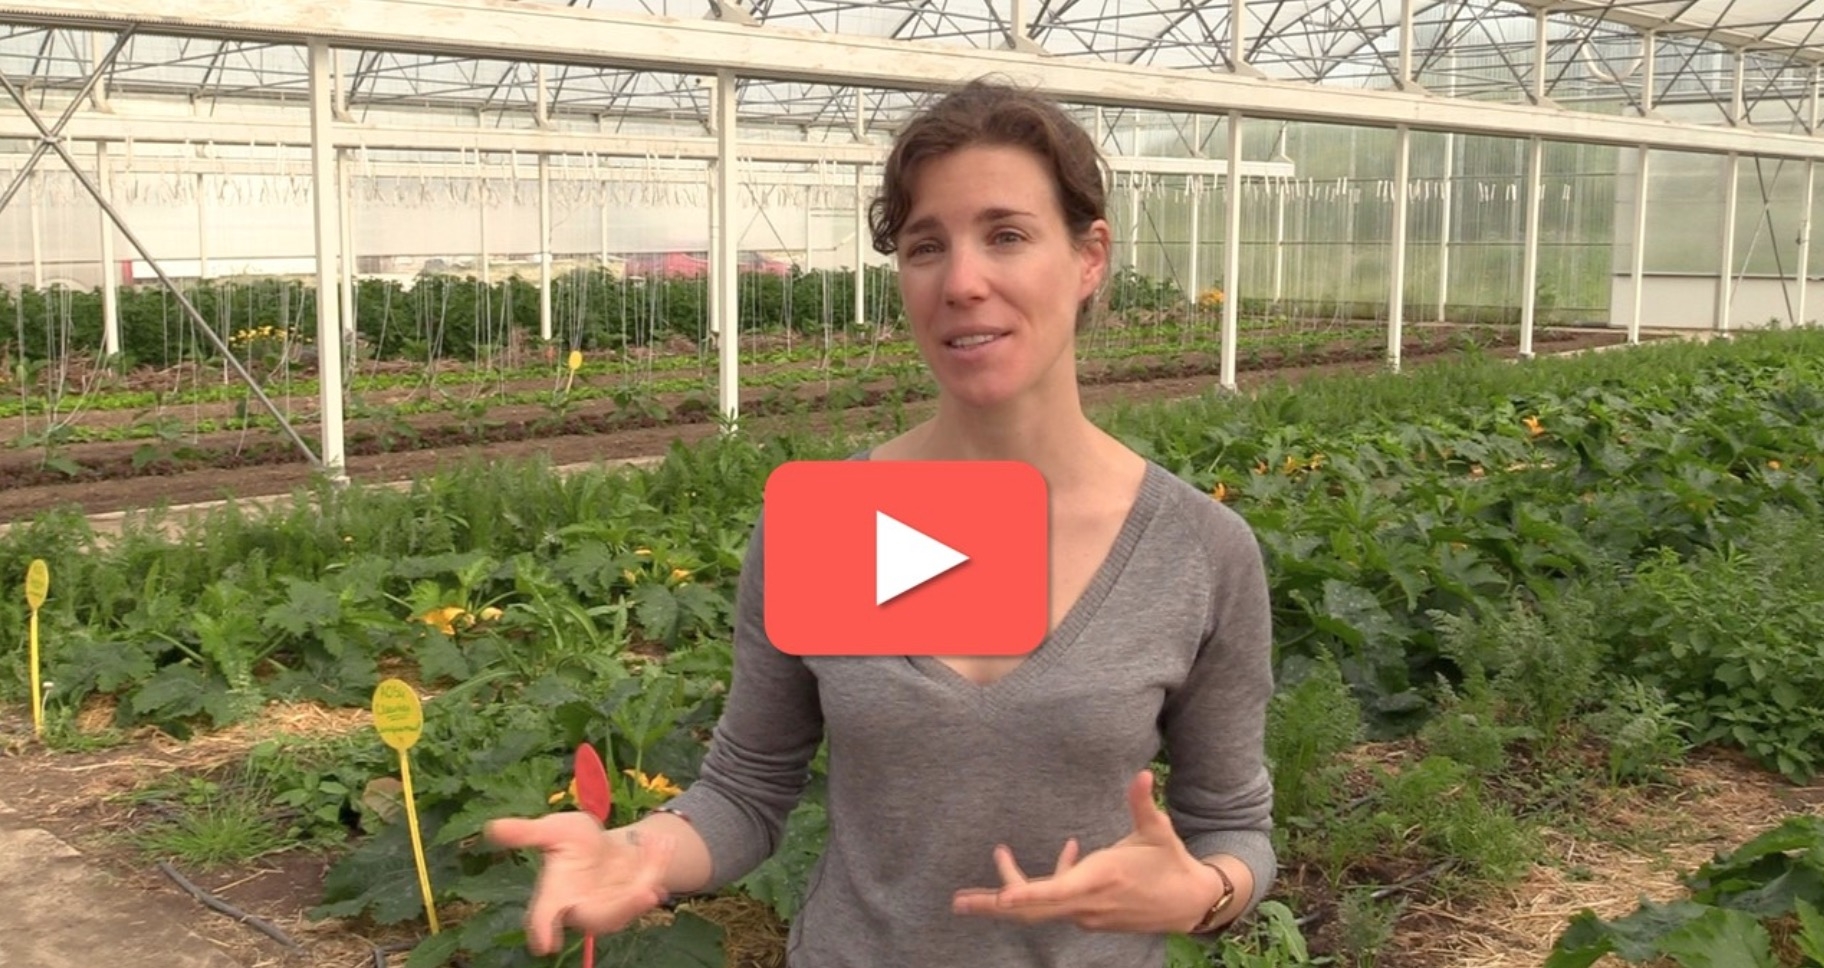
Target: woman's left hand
1145,882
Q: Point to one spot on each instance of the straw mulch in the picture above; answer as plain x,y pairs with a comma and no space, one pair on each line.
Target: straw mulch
1639,843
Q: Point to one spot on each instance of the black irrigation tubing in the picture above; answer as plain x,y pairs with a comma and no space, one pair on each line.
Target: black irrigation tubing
382,950
1388,891
217,904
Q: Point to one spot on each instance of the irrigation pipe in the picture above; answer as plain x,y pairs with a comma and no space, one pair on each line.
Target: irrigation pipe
1389,890
212,902
381,951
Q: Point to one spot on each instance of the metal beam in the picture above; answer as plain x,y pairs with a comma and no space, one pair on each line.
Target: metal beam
498,29
262,133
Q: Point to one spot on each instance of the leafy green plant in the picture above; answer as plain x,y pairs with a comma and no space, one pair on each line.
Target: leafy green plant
1736,905
1641,732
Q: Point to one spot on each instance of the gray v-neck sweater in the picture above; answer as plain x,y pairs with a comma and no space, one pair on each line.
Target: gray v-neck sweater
1167,650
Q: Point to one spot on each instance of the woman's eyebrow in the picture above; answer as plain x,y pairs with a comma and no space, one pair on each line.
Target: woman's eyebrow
994,214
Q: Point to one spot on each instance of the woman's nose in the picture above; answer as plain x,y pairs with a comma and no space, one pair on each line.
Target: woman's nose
963,279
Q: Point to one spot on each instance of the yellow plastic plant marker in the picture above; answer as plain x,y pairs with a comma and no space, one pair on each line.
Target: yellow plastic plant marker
37,586
575,362
399,720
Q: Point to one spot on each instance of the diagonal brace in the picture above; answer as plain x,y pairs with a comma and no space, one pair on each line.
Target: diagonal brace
69,111
56,144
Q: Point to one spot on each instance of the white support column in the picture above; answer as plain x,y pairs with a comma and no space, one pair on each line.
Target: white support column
481,215
861,246
1446,198
1238,35
1649,72
724,259
1529,275
1231,254
1649,45
541,105
1738,105
346,219
1817,93
1406,44
1017,28
1133,220
862,234
1535,164
36,217
1725,283
1238,40
1642,175
1805,241
544,247
1279,243
202,225
1540,20
110,272
1194,185
1402,205
329,327
98,98
1807,219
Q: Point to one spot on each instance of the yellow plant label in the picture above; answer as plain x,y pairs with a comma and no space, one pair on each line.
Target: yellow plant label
37,583
397,715
576,360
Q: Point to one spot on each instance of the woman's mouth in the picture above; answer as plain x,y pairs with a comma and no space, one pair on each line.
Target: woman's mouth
972,341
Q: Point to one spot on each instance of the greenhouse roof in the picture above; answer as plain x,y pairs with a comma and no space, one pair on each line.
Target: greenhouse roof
1477,49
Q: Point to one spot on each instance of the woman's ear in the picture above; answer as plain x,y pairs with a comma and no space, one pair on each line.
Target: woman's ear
1095,248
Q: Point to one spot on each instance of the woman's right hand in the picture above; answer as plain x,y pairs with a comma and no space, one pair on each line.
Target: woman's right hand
593,880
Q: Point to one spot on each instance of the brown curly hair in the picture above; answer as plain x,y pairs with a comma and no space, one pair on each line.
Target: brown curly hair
993,112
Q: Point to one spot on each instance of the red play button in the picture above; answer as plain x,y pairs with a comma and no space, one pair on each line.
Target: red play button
867,557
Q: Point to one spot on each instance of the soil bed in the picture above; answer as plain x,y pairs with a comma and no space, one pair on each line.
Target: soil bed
1626,844
209,467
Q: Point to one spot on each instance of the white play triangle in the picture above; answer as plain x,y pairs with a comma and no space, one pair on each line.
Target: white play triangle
905,558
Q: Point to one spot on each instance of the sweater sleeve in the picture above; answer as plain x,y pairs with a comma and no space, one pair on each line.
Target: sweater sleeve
1219,792
757,765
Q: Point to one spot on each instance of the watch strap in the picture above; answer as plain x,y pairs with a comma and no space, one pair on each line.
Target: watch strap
1207,924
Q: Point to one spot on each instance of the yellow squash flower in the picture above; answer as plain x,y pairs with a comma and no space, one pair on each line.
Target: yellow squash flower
444,619
657,783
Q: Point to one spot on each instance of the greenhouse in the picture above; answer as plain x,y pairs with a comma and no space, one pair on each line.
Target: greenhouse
257,252
478,183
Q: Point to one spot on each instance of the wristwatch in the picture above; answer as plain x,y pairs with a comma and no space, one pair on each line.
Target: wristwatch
1207,924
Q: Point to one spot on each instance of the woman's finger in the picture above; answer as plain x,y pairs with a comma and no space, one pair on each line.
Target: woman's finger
512,833
545,922
1004,862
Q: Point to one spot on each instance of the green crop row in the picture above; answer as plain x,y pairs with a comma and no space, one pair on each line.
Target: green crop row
1612,549
451,317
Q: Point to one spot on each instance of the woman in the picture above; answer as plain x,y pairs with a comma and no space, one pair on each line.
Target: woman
954,782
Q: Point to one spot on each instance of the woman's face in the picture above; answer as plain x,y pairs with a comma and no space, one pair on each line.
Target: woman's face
990,275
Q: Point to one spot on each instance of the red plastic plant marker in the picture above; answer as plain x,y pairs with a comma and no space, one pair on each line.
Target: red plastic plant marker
595,797
592,790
